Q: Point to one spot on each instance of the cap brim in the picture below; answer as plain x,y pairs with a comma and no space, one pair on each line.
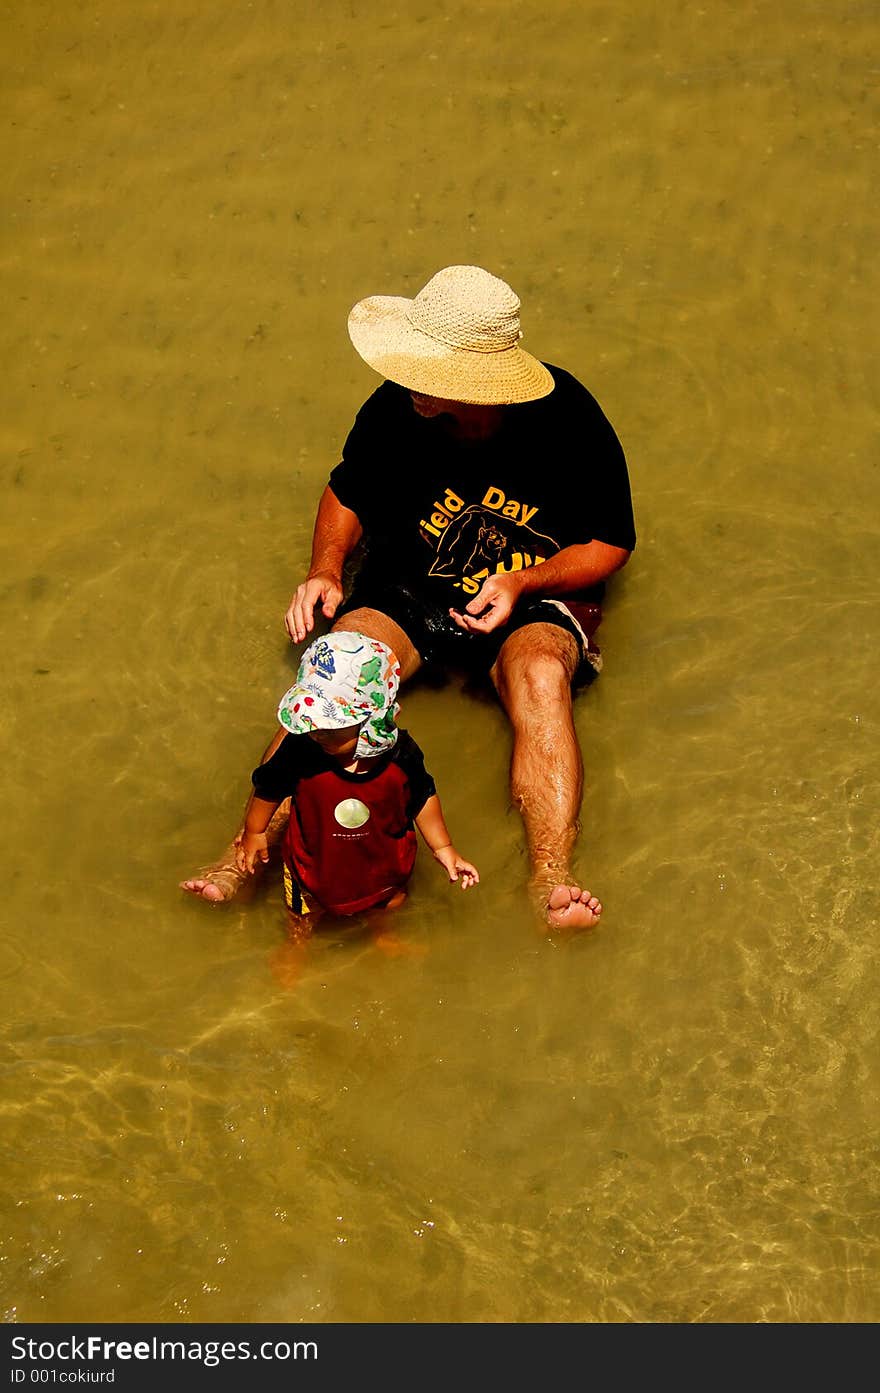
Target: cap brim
315,713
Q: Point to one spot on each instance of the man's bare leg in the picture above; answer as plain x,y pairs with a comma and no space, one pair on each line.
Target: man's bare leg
533,675
222,880
377,625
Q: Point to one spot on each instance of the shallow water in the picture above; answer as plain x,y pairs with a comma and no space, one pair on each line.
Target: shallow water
672,1119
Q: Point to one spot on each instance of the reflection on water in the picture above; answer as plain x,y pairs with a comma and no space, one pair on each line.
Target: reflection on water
673,1119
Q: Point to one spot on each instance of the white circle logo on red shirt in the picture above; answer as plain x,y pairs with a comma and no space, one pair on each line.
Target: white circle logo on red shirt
351,812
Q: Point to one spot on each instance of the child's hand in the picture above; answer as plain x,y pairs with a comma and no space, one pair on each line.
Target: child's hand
251,848
457,868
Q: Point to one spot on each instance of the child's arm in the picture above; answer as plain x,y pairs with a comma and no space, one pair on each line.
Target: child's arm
264,759
253,845
432,826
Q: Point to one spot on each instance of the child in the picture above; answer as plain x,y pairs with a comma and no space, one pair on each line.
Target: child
357,785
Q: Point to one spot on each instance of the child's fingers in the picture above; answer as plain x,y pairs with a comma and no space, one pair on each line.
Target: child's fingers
469,873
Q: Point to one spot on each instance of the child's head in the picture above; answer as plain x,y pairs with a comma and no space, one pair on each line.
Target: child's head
344,696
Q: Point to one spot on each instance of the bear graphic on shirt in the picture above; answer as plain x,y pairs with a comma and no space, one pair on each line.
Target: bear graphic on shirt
484,538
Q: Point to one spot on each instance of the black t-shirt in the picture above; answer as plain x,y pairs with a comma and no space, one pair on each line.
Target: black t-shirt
298,757
441,514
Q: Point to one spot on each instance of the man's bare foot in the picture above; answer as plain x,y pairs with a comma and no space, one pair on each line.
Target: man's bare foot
570,907
561,905
217,884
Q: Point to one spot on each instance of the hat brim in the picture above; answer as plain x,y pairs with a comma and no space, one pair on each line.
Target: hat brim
380,330
315,712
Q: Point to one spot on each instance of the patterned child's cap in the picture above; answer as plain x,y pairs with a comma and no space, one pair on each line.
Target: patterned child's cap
345,679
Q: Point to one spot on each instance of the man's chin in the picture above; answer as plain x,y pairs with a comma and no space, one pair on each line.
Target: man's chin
427,406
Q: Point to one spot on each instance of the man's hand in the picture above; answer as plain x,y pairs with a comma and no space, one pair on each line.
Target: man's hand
491,608
300,617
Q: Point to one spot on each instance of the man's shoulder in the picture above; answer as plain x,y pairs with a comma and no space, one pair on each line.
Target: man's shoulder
570,408
388,400
568,389
383,418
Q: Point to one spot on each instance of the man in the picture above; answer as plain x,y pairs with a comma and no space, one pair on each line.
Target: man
491,499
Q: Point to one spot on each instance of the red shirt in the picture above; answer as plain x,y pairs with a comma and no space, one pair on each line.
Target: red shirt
351,839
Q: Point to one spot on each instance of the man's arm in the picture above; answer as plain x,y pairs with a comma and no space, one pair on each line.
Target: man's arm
570,570
337,533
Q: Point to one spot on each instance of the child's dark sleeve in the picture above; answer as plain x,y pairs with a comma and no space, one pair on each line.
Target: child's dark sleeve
412,762
277,778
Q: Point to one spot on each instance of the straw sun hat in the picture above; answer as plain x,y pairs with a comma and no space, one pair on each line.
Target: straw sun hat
458,339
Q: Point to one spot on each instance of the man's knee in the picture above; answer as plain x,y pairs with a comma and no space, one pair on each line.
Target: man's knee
378,626
362,621
535,668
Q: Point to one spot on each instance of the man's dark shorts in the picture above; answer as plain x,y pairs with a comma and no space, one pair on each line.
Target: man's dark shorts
441,643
